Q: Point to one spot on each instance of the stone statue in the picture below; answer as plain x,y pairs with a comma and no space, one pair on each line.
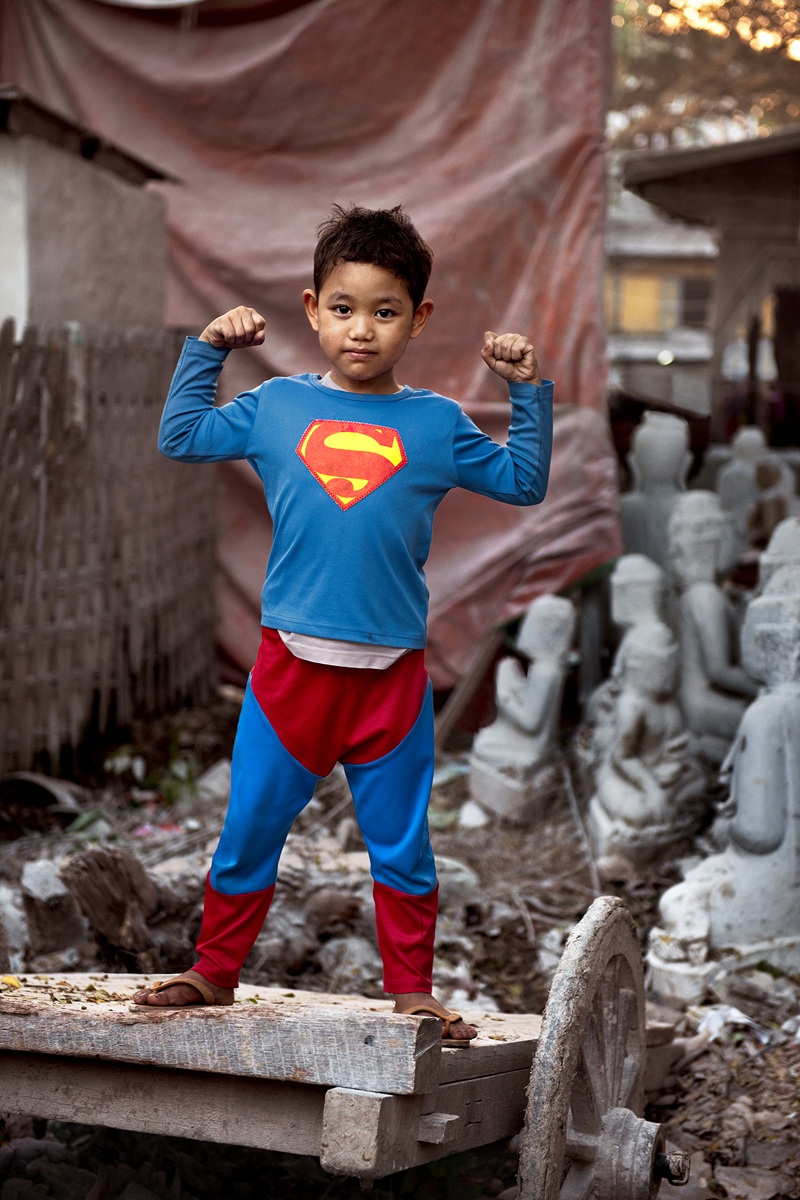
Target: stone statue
510,758
714,688
659,461
756,488
749,893
637,588
783,550
646,793
736,485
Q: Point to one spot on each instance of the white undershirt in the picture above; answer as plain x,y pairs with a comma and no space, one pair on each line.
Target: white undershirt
331,651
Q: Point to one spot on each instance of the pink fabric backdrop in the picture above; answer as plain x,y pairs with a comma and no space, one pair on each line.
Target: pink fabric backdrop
483,117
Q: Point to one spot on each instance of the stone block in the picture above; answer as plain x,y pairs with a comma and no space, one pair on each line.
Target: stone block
54,920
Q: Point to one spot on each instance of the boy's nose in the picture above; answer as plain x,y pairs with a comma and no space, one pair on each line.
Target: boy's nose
360,328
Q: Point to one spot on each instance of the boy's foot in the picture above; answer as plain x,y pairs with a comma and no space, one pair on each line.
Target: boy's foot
455,1030
184,991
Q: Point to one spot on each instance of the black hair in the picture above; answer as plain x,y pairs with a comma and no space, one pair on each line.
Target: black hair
384,237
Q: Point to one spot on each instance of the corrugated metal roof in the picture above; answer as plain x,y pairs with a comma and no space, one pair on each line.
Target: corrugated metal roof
666,239
649,166
687,346
636,229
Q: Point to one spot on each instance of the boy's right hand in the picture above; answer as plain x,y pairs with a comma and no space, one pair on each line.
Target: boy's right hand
235,329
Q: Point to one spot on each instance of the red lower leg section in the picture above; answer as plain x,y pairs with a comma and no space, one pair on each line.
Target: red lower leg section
228,930
406,929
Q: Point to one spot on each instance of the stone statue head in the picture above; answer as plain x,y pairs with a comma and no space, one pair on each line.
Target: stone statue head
696,531
783,549
637,590
749,444
659,453
771,631
649,660
547,629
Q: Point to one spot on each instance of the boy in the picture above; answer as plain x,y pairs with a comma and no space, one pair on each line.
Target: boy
353,466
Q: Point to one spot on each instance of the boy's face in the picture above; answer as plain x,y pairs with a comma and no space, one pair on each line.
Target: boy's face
365,318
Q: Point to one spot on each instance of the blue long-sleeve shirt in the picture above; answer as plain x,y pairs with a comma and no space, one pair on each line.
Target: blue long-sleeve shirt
352,482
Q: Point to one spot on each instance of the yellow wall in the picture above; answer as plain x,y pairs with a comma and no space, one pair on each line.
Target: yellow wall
640,303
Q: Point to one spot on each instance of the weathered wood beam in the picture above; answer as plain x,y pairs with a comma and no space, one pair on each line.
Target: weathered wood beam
217,1108
370,1135
323,1045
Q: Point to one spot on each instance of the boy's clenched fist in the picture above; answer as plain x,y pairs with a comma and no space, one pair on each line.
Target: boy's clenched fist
235,329
511,356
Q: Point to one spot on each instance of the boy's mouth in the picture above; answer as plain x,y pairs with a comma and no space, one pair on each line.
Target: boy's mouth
360,355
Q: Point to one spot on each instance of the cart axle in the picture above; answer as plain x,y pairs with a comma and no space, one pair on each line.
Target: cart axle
672,1168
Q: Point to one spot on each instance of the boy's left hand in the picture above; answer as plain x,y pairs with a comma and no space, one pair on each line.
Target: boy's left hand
511,356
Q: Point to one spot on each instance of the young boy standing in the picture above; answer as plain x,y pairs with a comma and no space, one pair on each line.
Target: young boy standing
353,465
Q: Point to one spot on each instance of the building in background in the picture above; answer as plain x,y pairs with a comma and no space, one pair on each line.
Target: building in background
749,193
82,237
659,284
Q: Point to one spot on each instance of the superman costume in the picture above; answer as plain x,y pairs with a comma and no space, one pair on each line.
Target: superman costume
352,482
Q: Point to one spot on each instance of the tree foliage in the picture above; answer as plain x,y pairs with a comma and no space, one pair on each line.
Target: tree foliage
681,67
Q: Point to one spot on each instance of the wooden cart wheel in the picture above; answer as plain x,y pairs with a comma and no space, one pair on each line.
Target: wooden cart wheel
584,1137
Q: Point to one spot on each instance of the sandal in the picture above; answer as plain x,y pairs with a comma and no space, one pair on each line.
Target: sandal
447,1018
201,986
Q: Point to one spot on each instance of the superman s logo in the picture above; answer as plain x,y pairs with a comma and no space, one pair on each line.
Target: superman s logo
350,459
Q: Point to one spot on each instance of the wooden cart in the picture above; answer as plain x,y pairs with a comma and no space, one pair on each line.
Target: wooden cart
345,1079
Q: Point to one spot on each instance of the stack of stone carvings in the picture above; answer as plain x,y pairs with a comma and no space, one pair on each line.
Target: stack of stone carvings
703,689
741,904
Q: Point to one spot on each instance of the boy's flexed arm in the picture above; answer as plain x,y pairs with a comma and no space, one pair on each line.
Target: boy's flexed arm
516,473
192,428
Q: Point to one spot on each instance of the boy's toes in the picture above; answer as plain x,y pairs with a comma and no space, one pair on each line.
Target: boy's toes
179,995
460,1031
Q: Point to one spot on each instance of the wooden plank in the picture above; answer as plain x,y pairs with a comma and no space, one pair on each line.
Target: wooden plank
370,1135
237,1112
437,1127
264,1036
505,1042
6,368
465,689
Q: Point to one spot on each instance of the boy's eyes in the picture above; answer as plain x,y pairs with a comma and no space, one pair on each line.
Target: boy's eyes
344,310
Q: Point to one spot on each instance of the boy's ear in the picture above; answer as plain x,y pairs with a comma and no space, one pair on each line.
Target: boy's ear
311,307
421,318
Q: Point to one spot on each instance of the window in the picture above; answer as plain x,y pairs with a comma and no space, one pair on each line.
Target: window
695,301
647,302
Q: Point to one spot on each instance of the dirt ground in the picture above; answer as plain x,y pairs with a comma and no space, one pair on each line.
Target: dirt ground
735,1107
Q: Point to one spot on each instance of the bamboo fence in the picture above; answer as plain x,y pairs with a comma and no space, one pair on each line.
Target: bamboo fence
106,548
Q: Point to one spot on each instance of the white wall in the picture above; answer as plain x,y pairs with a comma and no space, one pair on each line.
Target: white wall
13,234
95,243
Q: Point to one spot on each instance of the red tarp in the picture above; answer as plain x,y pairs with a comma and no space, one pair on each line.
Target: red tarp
483,117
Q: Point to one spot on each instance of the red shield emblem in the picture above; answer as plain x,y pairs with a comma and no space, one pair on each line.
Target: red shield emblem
349,459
